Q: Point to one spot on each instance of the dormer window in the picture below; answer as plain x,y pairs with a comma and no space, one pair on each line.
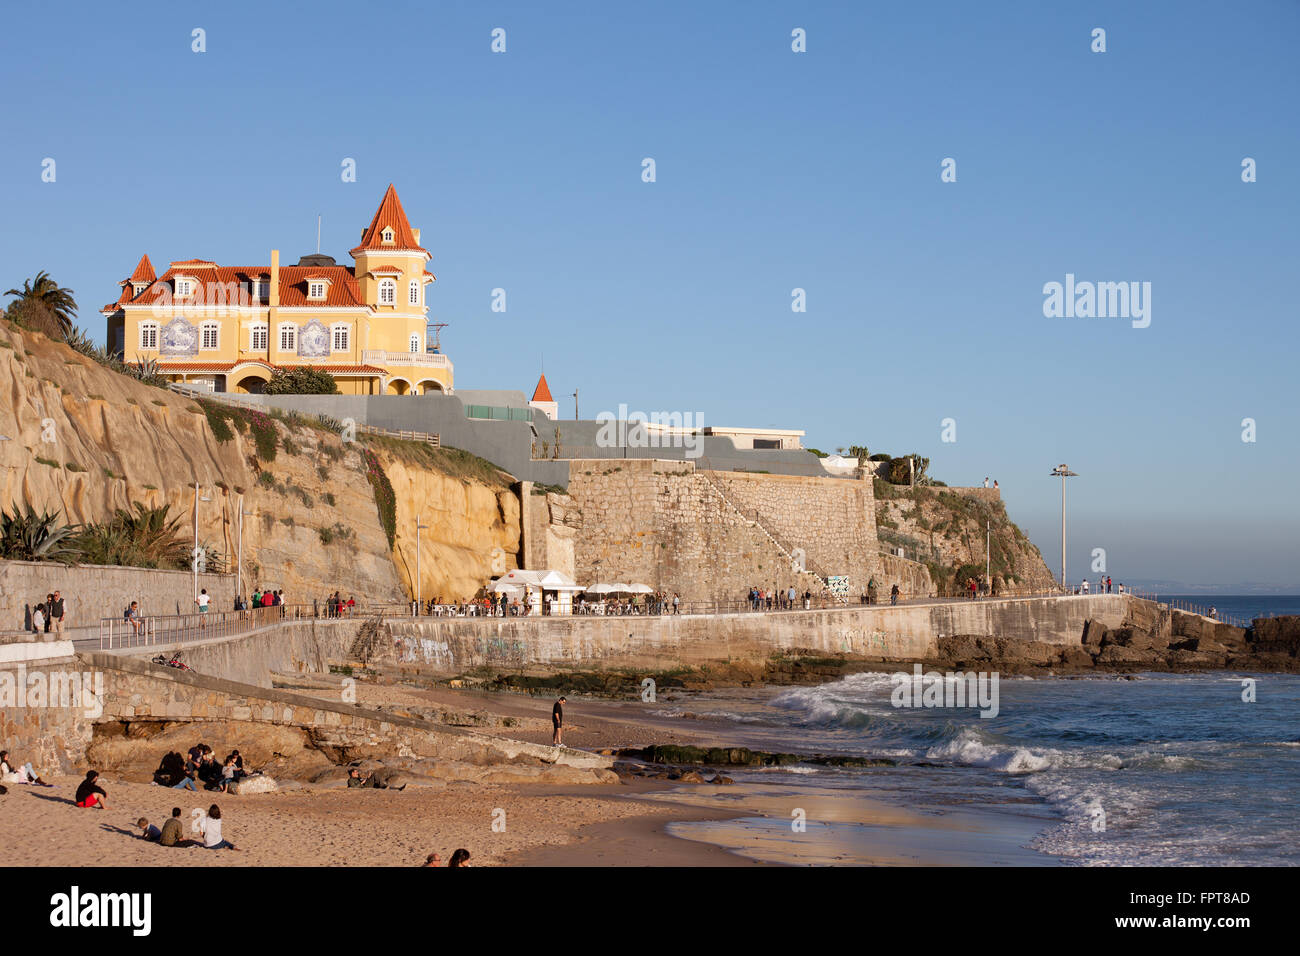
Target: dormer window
139,287
316,290
387,235
184,287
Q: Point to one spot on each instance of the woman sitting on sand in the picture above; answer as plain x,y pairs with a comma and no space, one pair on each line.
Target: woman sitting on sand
459,858
10,772
90,793
210,827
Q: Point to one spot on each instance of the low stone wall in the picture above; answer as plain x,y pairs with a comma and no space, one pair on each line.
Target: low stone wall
447,646
95,591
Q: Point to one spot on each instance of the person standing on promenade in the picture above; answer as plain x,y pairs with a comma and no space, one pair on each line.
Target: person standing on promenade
677,603
986,481
56,612
893,595
49,609
38,618
203,601
557,723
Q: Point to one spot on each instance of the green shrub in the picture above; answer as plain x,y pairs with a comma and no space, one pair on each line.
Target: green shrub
385,498
48,461
301,380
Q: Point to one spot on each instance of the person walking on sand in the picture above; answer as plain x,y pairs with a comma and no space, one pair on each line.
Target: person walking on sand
557,723
90,793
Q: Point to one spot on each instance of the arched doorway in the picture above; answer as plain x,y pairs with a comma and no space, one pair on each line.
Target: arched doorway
252,383
398,386
430,386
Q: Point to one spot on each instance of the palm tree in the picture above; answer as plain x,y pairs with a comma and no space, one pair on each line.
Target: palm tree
43,305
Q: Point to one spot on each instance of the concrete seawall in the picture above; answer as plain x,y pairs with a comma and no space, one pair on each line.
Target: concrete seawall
449,646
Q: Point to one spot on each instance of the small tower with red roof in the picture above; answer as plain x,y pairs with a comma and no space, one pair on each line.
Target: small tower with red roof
542,400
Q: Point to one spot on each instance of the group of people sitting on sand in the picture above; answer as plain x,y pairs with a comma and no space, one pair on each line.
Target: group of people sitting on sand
171,833
201,767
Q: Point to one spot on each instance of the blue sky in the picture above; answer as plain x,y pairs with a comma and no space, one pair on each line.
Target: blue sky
775,170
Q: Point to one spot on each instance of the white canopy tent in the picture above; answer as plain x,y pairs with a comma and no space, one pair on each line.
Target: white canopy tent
534,585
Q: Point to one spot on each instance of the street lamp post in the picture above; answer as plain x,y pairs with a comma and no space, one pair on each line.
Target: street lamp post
194,556
418,526
1063,472
239,561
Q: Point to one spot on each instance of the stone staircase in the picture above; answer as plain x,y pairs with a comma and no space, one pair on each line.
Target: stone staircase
753,520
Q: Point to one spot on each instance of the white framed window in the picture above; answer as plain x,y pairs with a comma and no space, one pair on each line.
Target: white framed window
339,336
148,335
316,290
288,338
415,342
261,289
140,287
184,287
387,292
257,337
208,335
413,296
388,236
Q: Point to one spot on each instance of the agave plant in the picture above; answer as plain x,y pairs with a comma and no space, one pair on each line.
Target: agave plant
28,536
143,538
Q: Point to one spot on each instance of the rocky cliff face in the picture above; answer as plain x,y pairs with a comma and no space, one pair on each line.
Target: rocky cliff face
470,528
86,441
946,527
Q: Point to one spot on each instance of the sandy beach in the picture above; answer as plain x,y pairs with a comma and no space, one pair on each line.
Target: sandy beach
638,822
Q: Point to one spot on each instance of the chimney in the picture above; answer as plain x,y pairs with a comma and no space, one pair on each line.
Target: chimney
274,299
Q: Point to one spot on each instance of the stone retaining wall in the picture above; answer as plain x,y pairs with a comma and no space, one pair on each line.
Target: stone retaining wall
95,591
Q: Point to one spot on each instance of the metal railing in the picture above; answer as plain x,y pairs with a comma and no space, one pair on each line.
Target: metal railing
148,630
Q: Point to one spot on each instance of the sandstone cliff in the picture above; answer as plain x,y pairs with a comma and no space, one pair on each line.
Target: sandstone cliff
86,441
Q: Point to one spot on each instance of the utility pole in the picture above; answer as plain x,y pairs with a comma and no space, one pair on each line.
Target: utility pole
1063,472
988,555
575,404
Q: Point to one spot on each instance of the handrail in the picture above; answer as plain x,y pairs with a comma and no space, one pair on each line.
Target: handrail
148,630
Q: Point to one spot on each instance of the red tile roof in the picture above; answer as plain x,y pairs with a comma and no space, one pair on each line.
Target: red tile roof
341,291
541,393
144,271
389,214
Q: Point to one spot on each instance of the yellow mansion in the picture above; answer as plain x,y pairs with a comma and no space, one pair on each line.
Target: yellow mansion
228,328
